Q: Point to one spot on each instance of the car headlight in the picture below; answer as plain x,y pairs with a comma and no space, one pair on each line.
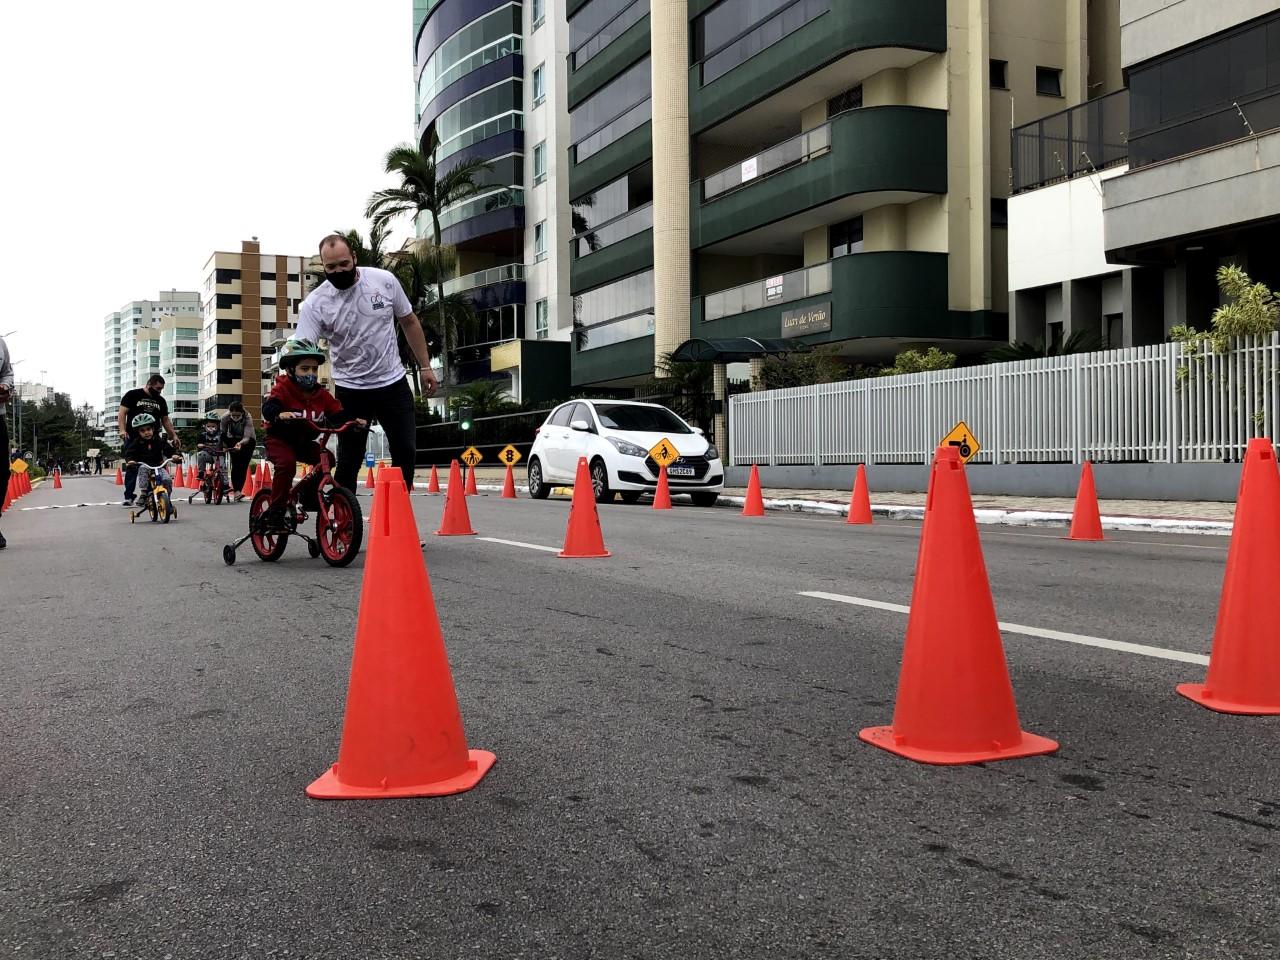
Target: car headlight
628,449
712,452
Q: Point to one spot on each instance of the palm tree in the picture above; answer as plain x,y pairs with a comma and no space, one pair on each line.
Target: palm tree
423,188
420,268
1082,341
485,397
370,253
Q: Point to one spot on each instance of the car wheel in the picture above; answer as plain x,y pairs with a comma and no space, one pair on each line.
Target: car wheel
600,482
705,499
538,488
630,496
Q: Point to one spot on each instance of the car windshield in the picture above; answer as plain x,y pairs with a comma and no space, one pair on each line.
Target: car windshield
626,416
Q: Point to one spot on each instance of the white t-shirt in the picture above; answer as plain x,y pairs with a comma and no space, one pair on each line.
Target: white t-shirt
360,325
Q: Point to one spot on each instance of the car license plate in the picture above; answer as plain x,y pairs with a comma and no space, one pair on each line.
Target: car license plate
678,471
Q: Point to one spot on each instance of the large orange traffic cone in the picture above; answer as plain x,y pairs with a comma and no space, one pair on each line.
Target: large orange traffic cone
584,539
1086,524
509,485
433,486
754,507
178,479
471,483
662,496
402,734
457,519
1244,664
119,476
955,702
57,479
368,479
8,493
860,502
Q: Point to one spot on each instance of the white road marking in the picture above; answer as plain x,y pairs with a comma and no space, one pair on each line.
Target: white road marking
517,543
1138,649
68,506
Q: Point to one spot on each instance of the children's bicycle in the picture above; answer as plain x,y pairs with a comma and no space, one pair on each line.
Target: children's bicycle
339,521
156,500
213,482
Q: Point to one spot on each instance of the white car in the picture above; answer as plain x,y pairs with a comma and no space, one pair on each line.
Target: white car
616,436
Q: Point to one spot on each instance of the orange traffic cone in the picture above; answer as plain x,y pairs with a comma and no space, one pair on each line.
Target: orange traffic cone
584,539
433,486
119,476
1244,664
754,507
955,702
247,489
860,502
57,479
178,479
662,496
471,483
368,479
25,481
8,494
457,520
509,485
193,479
402,734
1086,524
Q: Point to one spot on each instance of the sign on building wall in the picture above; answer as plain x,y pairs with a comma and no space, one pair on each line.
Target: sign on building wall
773,287
750,169
807,320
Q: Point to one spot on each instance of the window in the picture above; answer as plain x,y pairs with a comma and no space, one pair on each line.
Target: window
597,24
615,312
1048,82
540,241
999,212
228,300
999,74
539,162
228,376
540,321
224,275
730,34
851,99
292,278
612,112
268,276
539,84
539,13
846,237
482,41
561,417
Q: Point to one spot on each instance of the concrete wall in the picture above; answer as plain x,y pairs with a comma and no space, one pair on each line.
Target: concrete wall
1149,28
1118,481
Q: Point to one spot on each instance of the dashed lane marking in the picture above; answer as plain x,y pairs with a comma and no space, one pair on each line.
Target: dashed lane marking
517,543
1137,649
68,506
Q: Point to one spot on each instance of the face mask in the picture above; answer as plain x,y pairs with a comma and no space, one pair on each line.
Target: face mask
342,279
307,381
236,417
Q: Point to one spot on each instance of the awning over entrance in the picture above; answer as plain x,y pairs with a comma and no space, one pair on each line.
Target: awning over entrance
732,350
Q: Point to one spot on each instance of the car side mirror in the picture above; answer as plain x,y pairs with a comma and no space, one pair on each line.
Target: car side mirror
580,425
699,431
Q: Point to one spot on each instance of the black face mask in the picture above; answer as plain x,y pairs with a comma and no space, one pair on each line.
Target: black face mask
342,279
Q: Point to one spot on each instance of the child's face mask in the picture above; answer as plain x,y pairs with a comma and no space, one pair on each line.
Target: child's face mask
307,381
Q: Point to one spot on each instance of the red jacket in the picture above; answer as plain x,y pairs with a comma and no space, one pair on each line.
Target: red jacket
314,405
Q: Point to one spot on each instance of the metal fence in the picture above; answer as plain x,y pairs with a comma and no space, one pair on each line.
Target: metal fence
1073,142
1145,404
439,443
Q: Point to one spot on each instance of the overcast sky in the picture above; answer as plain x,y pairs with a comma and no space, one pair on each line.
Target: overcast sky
140,136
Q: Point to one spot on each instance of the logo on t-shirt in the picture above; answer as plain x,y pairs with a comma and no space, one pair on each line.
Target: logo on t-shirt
377,302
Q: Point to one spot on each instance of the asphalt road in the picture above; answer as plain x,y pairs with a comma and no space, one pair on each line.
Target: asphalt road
678,772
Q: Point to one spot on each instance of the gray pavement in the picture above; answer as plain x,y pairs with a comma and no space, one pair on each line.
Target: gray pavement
678,773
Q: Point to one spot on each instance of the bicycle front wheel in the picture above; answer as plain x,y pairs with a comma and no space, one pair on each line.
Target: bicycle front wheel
163,508
339,527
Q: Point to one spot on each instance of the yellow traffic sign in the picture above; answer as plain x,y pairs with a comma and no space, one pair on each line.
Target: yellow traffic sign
664,453
471,456
963,439
509,455
18,466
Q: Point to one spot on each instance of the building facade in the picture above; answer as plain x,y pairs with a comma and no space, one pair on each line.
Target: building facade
1157,185
491,85
250,302
833,172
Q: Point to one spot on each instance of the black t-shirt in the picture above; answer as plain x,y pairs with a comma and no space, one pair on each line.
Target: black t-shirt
152,452
210,434
139,401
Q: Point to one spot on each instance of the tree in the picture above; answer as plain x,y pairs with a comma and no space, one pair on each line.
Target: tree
486,398
53,428
1251,310
914,361
424,188
1082,341
803,369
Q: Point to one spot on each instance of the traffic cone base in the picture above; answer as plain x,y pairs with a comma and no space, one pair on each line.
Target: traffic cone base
1201,694
328,787
1029,745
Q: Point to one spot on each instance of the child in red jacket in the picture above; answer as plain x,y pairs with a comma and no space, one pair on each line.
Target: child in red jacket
297,395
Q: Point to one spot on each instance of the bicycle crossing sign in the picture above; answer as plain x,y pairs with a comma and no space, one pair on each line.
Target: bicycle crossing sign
509,455
664,453
471,456
963,439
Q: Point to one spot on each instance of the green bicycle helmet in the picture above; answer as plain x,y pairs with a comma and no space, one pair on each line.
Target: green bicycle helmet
295,349
142,420
212,417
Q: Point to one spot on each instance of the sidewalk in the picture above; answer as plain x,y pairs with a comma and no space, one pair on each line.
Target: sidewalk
1157,516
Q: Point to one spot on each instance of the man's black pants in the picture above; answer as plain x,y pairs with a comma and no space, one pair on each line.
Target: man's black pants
392,406
4,458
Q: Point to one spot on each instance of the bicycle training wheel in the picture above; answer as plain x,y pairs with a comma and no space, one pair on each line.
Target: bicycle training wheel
340,538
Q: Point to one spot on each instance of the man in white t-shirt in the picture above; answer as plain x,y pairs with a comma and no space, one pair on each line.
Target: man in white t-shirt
357,310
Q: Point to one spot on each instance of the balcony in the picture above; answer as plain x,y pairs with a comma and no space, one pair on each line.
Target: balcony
495,287
860,160
1075,142
604,56
470,223
621,246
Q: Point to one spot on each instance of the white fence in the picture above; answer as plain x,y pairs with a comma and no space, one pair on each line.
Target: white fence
1141,404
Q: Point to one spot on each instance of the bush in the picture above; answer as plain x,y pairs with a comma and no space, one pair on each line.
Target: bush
913,361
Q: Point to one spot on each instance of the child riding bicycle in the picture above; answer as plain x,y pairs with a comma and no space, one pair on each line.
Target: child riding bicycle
150,448
210,447
297,395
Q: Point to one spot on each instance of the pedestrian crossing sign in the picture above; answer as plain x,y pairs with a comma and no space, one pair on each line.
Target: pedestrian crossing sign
509,455
664,453
471,456
963,439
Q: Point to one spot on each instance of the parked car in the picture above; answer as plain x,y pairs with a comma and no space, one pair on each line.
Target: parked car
616,436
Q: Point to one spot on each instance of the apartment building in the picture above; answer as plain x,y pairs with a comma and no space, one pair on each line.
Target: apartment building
834,173
251,301
132,351
491,85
